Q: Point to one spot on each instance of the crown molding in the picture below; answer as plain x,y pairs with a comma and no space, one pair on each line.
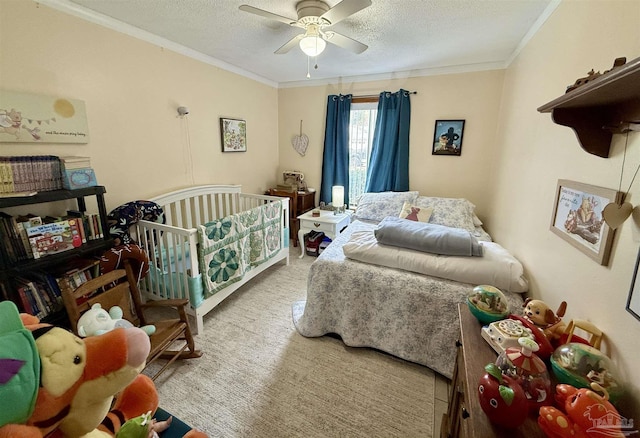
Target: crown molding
551,7
76,10
436,71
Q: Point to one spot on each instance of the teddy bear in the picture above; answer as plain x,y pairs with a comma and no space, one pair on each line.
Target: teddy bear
11,122
541,315
54,384
97,321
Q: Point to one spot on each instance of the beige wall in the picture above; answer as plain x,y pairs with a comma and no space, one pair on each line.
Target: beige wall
512,155
138,145
512,158
474,97
534,153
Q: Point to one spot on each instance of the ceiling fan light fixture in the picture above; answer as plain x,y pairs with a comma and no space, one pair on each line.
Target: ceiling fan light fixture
312,45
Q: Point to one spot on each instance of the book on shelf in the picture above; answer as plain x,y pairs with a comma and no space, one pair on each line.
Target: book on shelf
28,174
24,300
79,178
82,271
11,238
91,224
51,238
17,194
39,293
38,305
75,162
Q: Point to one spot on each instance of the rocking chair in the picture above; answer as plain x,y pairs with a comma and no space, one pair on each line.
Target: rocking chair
119,288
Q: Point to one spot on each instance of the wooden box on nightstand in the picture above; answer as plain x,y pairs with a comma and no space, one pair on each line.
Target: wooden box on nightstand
465,418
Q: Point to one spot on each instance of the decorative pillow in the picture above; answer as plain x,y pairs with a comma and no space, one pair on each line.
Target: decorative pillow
451,212
377,206
126,215
415,213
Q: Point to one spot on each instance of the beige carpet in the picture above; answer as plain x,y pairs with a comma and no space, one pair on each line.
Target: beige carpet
259,378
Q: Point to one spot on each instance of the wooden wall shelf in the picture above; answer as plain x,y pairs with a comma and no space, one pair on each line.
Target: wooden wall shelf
600,108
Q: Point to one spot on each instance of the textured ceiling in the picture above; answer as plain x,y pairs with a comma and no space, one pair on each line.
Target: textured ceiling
405,37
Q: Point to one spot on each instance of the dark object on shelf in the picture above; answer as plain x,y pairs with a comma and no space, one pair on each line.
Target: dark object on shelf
591,75
610,100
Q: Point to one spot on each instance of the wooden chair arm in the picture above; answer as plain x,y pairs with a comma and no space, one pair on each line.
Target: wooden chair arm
178,302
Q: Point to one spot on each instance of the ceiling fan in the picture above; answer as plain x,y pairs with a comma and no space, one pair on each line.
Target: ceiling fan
314,16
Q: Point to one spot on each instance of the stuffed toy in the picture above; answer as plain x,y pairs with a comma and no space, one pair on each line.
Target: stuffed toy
125,419
541,315
54,384
97,321
145,426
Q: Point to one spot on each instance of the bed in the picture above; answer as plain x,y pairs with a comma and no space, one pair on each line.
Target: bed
213,240
369,295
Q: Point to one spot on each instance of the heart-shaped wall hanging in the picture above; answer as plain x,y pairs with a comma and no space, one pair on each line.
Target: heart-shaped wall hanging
615,214
300,142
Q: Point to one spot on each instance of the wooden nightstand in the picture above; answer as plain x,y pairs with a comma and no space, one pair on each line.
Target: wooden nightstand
300,202
465,417
330,224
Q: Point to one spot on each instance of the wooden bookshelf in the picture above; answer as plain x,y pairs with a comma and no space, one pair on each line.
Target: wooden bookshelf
27,268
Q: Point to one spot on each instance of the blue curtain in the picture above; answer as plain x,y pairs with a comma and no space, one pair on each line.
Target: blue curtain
389,164
335,161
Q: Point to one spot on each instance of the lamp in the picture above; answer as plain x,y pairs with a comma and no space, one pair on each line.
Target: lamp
312,45
337,199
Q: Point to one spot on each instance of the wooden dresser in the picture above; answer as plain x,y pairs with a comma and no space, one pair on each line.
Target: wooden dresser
465,418
300,202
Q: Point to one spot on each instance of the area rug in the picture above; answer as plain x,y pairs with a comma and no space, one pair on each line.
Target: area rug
259,378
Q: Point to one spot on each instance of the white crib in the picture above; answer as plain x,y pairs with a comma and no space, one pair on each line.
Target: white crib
172,248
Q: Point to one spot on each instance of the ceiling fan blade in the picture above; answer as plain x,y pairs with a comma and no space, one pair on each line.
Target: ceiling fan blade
344,9
267,14
345,42
289,44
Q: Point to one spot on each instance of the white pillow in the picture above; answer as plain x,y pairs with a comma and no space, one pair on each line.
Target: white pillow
377,206
415,213
451,212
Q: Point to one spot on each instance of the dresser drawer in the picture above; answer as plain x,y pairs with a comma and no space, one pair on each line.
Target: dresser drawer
327,228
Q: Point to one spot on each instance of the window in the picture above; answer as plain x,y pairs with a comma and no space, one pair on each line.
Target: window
362,125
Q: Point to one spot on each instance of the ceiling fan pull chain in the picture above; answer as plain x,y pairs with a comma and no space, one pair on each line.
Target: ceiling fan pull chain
308,74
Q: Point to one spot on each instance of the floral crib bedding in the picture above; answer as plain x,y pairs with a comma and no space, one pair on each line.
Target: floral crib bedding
230,247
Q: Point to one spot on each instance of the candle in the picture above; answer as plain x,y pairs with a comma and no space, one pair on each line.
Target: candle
337,196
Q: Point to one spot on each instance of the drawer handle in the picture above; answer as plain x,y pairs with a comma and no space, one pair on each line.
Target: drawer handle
465,413
316,224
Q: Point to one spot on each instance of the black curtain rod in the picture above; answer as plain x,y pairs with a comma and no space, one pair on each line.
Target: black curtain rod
370,96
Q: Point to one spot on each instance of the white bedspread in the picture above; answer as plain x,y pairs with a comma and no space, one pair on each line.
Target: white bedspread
409,315
496,267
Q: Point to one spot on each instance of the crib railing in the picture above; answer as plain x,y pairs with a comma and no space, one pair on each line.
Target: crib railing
172,247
